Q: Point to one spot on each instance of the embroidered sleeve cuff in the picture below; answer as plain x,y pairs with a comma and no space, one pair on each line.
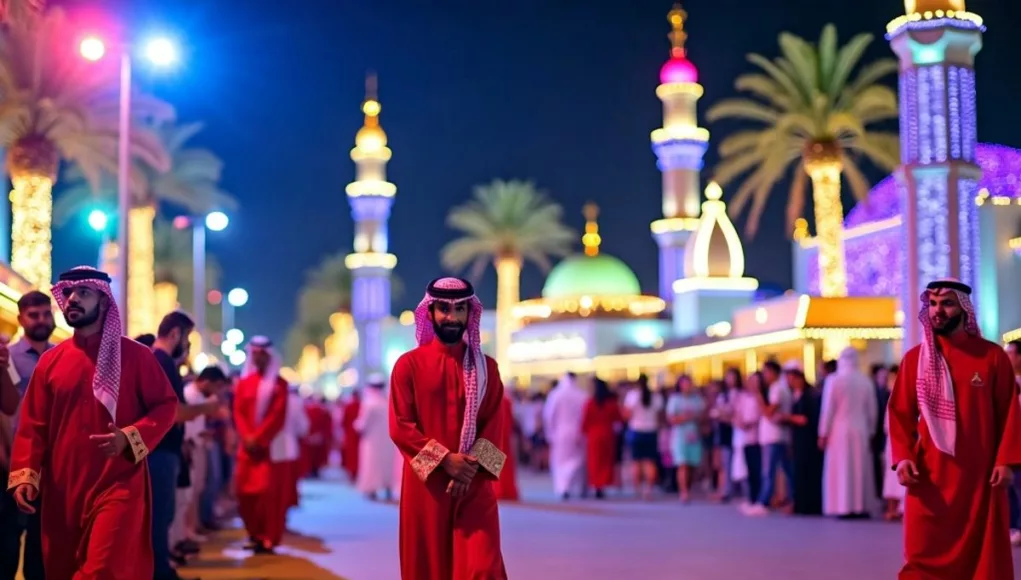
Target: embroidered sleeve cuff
428,459
26,475
490,457
138,449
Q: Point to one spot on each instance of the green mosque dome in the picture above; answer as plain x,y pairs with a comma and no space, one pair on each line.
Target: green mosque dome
599,275
591,274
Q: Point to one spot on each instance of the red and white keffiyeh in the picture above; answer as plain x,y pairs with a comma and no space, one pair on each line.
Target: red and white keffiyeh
453,291
107,379
268,379
934,385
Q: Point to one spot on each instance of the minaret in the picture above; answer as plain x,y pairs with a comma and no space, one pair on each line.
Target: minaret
679,146
371,196
936,41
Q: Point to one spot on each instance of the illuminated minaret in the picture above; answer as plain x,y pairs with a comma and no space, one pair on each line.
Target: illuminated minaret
679,146
936,41
371,196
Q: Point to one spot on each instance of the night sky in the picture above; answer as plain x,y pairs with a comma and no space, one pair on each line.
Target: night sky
561,92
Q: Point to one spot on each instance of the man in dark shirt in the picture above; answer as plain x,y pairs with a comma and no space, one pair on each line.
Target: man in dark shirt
165,460
35,315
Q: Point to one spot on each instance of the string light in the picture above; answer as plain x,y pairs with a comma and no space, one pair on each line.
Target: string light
829,220
31,218
959,19
714,215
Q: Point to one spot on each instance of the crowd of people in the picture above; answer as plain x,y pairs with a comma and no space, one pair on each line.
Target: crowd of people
170,455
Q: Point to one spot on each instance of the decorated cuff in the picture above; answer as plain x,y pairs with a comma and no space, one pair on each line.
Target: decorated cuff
490,457
26,475
428,459
138,449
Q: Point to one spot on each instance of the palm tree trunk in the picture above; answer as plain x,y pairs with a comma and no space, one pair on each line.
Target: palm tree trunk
829,224
141,272
508,294
165,298
31,218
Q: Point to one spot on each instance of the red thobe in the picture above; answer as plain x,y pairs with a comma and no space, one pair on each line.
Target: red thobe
263,492
95,512
319,440
955,523
599,427
443,537
507,486
349,447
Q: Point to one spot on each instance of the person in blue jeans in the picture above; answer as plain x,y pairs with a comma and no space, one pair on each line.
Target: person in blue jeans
774,436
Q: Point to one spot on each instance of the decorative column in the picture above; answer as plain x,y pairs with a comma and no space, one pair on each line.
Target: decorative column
679,146
936,41
371,197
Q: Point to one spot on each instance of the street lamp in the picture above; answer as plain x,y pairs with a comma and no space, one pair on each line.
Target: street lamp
216,221
160,52
98,220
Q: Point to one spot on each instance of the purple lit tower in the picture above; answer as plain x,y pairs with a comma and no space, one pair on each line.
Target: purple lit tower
936,41
371,197
679,146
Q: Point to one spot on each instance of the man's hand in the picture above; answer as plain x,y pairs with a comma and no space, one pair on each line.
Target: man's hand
460,467
113,443
24,495
907,472
1002,476
456,488
5,355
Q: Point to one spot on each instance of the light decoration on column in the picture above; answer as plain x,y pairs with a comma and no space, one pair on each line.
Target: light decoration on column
371,197
829,225
680,145
31,219
141,272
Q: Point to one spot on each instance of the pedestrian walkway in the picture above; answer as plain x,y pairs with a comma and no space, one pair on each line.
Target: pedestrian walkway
340,535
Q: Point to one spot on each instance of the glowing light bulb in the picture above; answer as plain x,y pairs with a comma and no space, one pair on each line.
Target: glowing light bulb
92,48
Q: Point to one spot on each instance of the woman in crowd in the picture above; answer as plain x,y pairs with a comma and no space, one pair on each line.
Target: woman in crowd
684,412
599,424
722,413
747,413
643,411
807,457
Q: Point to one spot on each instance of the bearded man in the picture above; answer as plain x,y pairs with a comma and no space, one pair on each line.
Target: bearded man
95,406
445,418
260,413
955,433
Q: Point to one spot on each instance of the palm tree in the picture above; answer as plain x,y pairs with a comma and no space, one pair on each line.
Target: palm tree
327,290
174,272
816,117
507,223
58,107
192,184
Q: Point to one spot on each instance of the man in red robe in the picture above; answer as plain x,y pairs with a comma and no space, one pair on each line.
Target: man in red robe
955,433
350,436
95,406
260,410
507,486
317,444
445,418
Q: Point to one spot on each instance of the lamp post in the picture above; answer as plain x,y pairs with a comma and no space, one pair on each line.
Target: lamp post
216,221
158,51
99,222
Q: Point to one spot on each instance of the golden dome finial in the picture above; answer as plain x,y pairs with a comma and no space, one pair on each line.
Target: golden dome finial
371,106
591,239
677,36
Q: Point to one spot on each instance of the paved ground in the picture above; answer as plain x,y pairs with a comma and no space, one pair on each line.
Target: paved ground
341,536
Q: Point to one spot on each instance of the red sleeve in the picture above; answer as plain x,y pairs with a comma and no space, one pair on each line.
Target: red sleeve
903,411
489,425
159,402
587,417
31,438
1008,413
274,419
423,454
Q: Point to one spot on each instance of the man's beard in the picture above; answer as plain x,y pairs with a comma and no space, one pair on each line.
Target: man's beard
949,325
449,333
39,332
178,350
83,318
